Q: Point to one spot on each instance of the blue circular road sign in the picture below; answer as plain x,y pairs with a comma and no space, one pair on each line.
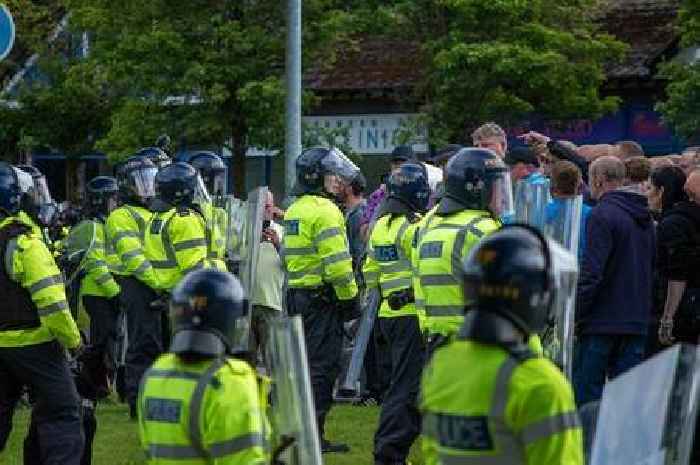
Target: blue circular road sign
7,32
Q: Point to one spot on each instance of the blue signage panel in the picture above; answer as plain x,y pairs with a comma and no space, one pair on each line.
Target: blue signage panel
7,32
638,122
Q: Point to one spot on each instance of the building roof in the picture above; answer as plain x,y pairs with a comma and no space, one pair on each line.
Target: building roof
647,26
375,64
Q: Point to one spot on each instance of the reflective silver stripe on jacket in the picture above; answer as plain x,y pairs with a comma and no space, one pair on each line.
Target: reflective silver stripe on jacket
216,450
443,310
510,447
393,284
53,308
44,283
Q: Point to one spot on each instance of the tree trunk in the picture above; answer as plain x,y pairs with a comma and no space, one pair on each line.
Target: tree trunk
238,165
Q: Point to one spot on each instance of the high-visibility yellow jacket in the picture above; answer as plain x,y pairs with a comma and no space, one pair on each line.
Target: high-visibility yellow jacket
482,406
315,247
125,228
28,262
216,224
443,243
101,262
175,244
388,262
206,412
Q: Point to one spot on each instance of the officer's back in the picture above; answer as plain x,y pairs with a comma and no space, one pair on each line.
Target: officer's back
487,397
198,404
477,189
176,239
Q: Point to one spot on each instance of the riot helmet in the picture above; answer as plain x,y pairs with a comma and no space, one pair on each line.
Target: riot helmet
409,185
156,155
101,198
212,170
477,179
135,178
177,184
37,201
322,169
513,275
10,190
208,310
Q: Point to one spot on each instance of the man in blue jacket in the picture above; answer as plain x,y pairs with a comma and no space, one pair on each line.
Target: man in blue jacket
615,284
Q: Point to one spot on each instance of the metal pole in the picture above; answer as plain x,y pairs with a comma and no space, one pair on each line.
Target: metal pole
293,117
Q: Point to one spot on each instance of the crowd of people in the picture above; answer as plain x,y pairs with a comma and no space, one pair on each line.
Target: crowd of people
466,290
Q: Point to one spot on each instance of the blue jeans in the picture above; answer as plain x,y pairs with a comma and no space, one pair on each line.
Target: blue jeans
598,358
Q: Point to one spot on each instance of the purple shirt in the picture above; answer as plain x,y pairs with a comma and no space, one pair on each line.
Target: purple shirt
373,203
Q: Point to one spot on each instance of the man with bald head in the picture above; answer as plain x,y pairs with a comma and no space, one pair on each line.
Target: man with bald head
615,283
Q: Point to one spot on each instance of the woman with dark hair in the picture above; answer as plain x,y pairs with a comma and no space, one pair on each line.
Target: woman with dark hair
678,250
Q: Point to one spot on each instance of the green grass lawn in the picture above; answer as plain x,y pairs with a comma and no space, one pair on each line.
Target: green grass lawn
117,438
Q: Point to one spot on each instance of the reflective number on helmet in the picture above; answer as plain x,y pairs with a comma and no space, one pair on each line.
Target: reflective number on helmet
156,226
464,433
163,410
291,227
386,253
431,249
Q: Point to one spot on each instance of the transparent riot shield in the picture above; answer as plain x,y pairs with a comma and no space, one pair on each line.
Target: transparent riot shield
78,244
371,299
234,225
563,222
293,413
558,337
250,249
647,415
531,201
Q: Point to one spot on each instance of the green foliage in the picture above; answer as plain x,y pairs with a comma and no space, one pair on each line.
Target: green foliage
680,109
223,60
505,59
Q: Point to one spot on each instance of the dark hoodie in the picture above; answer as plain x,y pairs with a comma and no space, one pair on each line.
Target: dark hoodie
678,233
616,280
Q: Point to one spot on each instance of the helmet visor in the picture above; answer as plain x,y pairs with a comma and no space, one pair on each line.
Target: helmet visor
42,194
500,195
143,181
201,195
26,183
337,164
215,182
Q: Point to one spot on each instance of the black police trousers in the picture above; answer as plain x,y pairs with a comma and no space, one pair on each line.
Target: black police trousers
323,335
56,422
400,421
104,319
148,331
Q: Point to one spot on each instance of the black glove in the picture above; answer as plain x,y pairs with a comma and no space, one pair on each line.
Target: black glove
349,309
161,303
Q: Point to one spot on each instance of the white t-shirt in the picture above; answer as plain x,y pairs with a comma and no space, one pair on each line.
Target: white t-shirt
269,279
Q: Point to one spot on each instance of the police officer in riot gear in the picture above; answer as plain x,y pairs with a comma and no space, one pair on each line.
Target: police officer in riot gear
200,377
176,237
212,170
37,203
99,288
321,282
125,228
477,192
388,267
35,327
517,406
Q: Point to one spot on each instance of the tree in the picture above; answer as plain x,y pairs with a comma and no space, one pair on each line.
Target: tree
680,110
505,60
208,71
